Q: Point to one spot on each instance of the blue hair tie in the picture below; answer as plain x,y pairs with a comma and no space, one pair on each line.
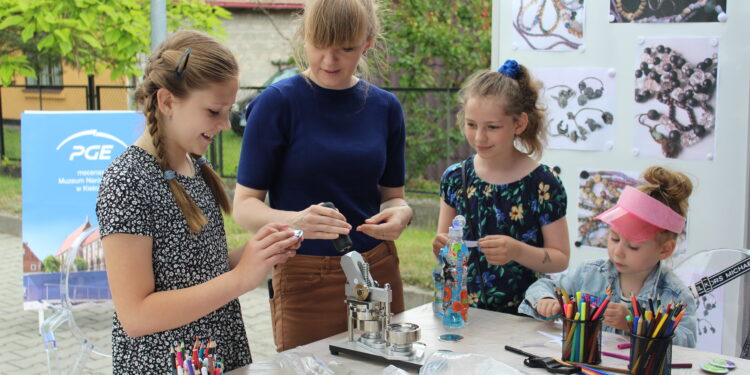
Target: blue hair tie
510,68
170,174
201,160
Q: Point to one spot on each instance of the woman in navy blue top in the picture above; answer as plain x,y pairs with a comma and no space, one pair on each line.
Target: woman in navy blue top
326,136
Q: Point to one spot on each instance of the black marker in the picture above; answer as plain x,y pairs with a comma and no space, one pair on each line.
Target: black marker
343,243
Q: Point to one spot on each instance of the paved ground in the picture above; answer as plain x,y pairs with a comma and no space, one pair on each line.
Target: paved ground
23,352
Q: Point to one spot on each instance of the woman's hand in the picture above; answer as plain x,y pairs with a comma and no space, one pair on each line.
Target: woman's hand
272,244
388,224
615,315
321,223
547,307
441,239
499,249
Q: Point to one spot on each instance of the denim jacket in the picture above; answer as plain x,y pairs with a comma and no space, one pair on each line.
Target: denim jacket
594,276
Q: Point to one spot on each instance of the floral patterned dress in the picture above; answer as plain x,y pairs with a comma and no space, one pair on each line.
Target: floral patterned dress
519,210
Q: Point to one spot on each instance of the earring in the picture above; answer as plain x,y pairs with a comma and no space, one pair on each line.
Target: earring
563,96
589,93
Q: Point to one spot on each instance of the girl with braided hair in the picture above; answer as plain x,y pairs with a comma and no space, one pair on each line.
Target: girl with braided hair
514,206
159,208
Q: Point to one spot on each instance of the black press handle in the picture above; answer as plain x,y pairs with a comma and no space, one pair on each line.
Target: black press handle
343,243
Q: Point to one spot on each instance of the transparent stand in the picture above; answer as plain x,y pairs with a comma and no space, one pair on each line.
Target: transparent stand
62,314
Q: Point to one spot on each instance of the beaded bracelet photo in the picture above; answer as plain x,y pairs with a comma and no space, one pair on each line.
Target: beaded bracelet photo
678,96
549,24
666,11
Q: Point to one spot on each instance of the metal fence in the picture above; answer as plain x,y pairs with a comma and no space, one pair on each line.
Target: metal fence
430,117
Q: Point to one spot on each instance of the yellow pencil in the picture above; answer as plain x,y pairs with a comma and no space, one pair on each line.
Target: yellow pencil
658,326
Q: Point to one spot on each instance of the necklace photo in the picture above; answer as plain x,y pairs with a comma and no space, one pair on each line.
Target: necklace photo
679,97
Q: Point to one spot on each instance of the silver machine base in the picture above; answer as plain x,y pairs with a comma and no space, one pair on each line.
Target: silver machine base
415,359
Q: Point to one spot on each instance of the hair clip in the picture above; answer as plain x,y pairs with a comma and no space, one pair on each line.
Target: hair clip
179,69
510,68
200,161
169,174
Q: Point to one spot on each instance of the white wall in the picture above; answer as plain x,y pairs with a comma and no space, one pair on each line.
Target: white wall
718,215
254,40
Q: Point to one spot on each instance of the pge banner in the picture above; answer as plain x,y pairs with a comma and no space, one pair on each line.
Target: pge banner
64,156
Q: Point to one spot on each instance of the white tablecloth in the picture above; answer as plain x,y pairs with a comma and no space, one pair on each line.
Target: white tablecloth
487,333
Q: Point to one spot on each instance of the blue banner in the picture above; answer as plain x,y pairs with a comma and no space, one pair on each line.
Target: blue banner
64,155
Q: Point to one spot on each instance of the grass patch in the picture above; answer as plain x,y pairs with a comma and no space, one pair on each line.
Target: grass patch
231,144
236,235
12,142
414,250
10,199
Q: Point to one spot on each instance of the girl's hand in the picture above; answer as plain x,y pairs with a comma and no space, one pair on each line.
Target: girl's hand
321,223
499,249
272,244
615,315
547,307
441,239
388,224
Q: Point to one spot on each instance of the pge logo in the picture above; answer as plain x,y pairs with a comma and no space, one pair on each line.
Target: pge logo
96,151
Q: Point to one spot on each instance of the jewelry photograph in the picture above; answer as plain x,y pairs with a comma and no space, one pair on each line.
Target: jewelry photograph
598,191
580,106
548,25
675,105
666,11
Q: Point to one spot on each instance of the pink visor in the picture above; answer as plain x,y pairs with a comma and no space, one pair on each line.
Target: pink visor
639,217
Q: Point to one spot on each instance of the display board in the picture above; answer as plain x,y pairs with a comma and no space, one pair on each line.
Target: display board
703,131
64,157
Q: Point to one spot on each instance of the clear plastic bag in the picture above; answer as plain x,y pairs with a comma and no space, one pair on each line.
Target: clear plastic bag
293,363
453,363
393,370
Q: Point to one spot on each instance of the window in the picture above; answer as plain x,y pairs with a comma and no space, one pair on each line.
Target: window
51,75
33,267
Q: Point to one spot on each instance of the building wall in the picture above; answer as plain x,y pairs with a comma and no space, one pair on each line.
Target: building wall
15,100
255,42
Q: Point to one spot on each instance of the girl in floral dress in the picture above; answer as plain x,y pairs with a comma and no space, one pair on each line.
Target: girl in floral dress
514,206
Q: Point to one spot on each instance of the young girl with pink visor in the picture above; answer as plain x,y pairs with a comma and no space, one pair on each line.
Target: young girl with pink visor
645,224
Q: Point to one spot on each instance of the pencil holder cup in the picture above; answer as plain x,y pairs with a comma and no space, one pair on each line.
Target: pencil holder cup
650,355
582,341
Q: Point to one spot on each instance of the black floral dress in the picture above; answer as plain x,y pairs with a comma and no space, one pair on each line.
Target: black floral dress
134,198
519,210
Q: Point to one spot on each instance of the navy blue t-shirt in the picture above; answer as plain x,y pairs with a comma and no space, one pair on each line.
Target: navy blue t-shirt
305,145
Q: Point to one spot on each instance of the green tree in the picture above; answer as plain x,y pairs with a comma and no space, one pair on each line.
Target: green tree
81,264
93,35
434,44
51,264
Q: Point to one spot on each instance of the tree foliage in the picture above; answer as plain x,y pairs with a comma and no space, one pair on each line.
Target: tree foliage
434,44
51,264
80,264
93,35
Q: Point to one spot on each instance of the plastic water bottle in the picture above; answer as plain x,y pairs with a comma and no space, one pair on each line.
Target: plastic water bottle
456,296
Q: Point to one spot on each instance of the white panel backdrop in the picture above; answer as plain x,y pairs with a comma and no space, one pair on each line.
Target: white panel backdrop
718,215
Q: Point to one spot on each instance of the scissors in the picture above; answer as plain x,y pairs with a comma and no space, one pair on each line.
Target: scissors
550,364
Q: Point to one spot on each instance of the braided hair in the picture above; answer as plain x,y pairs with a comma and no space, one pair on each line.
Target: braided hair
186,61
